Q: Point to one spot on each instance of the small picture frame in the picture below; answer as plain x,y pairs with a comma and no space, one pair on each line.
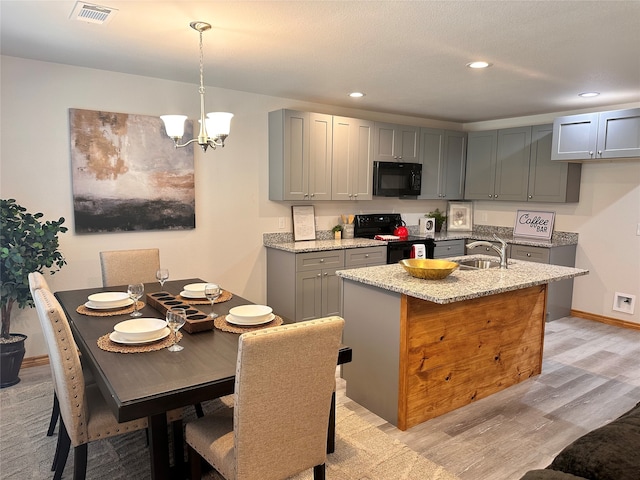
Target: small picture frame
304,222
427,226
534,224
460,216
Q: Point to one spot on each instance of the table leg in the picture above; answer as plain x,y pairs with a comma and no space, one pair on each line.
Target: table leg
159,447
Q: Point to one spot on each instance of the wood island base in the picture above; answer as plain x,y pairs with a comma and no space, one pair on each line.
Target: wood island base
414,360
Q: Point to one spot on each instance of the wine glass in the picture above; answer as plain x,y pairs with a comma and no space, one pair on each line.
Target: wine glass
212,292
135,291
176,318
162,274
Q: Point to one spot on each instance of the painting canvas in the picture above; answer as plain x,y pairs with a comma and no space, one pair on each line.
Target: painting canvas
127,174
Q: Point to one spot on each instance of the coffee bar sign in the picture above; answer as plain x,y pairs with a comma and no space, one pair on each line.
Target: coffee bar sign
534,224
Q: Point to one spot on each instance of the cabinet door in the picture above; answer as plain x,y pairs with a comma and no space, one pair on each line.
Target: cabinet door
352,173
320,152
481,165
288,155
512,164
431,157
396,143
550,181
574,137
331,293
455,159
619,134
308,295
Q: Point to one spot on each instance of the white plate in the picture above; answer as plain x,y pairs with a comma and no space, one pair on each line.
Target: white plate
94,306
116,338
108,298
234,321
195,288
191,294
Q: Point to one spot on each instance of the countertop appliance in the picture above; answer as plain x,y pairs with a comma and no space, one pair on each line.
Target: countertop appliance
397,179
370,225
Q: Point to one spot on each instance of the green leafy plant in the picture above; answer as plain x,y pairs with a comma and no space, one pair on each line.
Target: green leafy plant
337,228
27,245
439,216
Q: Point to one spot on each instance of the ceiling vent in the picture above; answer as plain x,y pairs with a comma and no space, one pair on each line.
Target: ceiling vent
90,13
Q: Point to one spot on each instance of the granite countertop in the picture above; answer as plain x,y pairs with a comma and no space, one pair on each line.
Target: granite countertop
325,240
462,284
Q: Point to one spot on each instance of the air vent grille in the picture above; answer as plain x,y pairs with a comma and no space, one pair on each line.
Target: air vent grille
90,13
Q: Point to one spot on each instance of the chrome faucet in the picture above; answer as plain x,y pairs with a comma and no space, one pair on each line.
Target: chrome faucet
502,249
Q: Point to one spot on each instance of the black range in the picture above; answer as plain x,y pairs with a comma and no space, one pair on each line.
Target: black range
370,225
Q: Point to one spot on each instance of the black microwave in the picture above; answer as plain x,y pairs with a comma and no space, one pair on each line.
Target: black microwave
394,179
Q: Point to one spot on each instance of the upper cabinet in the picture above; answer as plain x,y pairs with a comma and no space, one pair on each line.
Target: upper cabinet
396,143
443,157
352,169
594,136
515,165
300,155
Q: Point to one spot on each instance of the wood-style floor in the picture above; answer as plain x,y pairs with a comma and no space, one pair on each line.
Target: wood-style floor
590,376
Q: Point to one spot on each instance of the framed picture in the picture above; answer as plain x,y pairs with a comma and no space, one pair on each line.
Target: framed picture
460,216
304,222
534,224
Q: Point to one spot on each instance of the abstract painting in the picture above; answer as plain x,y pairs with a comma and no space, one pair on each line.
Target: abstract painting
127,174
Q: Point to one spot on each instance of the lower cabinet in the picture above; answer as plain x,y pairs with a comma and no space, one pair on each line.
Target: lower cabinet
304,286
559,294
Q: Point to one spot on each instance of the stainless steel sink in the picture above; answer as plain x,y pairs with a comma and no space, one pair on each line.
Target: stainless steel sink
478,264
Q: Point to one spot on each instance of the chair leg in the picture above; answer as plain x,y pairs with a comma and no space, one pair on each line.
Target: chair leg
199,411
331,432
80,462
57,454
64,443
55,413
178,446
195,461
318,472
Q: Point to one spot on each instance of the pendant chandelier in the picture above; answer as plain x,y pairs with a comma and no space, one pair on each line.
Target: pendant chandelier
214,127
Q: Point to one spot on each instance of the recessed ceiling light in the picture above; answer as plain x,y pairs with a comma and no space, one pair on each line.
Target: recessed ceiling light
479,64
588,94
356,94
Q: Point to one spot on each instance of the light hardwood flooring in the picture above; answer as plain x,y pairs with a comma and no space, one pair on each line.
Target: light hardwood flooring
590,376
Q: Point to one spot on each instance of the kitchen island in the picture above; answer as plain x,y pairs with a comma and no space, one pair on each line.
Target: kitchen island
426,347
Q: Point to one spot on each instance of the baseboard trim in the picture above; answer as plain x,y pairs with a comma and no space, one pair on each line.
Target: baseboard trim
35,361
608,320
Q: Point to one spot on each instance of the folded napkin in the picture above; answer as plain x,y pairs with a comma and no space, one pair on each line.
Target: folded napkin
386,237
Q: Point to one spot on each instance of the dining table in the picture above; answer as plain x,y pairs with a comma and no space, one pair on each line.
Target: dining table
151,383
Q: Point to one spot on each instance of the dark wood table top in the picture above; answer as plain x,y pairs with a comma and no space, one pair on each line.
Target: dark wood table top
144,384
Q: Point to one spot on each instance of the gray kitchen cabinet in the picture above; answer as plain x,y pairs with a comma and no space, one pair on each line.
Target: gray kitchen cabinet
550,181
300,156
498,164
559,294
352,168
396,143
303,286
443,156
448,248
595,136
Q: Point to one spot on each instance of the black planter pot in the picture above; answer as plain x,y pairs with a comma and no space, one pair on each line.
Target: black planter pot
11,355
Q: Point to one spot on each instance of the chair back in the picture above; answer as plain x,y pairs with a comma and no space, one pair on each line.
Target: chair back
36,281
123,267
285,377
65,365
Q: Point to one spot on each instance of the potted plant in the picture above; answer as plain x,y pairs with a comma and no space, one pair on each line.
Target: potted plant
439,217
27,245
337,232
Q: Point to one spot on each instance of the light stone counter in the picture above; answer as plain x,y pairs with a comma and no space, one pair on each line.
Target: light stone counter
462,284
322,245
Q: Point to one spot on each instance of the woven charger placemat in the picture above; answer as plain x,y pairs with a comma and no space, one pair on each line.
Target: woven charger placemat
222,324
82,310
224,297
105,343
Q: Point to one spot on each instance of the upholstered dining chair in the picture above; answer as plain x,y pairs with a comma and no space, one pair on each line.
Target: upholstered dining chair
85,417
285,377
122,267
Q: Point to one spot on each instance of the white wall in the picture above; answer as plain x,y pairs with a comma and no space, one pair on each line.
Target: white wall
232,206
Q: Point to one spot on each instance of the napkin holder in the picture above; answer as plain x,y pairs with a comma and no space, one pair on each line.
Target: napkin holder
196,320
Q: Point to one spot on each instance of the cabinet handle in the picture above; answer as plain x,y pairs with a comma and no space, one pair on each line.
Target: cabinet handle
366,255
325,274
355,195
495,196
490,195
590,153
318,275
528,254
313,195
530,196
322,260
599,153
